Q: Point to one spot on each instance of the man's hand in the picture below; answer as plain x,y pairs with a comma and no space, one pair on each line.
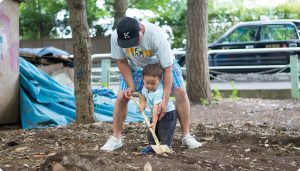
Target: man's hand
162,109
128,92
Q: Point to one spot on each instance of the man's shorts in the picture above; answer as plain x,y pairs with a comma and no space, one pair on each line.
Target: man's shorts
165,129
177,79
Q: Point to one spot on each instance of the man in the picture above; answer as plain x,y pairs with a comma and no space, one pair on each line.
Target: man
135,45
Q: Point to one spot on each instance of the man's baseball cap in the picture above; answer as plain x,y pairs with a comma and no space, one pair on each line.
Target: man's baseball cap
128,32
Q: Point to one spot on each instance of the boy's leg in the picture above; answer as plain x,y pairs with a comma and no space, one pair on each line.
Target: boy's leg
149,135
166,128
148,149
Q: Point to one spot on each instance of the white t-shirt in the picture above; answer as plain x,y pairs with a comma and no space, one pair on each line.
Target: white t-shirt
155,97
153,49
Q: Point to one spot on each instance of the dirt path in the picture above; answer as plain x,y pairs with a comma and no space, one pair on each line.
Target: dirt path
233,140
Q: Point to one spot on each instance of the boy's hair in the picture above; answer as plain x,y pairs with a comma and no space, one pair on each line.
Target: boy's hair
154,70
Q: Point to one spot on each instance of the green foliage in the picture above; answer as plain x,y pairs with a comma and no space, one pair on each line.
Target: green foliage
204,102
216,95
104,85
94,13
38,18
171,13
234,94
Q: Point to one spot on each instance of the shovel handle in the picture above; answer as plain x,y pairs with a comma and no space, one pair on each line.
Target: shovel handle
147,122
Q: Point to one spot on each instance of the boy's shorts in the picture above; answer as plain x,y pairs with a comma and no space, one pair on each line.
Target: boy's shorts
165,129
177,79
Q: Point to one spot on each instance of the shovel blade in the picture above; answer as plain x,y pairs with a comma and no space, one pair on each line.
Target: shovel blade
159,149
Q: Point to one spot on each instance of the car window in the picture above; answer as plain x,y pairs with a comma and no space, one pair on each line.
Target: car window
278,32
240,35
297,25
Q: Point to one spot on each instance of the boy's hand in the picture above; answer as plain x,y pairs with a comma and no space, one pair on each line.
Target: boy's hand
153,125
142,107
162,109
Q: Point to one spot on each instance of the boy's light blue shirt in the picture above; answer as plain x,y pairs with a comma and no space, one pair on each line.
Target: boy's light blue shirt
155,97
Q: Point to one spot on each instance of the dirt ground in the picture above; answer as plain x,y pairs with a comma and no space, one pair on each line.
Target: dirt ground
244,134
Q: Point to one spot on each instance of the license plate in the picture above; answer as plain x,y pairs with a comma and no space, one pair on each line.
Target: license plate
272,46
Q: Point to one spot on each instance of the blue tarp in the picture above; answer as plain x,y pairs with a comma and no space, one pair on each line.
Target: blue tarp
46,51
45,102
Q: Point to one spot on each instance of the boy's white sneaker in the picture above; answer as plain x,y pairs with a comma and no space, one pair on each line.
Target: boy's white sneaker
190,142
112,144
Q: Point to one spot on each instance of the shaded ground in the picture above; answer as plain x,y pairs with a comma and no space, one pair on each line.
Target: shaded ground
245,134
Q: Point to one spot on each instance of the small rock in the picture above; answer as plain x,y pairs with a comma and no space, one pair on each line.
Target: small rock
208,138
51,154
148,167
133,167
96,148
293,163
135,153
248,150
21,149
58,167
7,165
165,155
11,143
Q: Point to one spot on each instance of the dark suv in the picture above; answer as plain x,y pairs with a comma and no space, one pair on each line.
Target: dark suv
251,35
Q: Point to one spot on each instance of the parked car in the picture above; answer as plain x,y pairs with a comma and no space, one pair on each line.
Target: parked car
252,35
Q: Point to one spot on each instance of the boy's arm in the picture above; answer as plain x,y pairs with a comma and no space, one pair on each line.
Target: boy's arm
142,102
154,117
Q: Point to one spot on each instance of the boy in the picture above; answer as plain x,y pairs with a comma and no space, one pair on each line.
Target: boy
152,95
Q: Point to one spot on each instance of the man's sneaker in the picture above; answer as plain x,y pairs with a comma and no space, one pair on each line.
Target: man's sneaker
112,144
147,150
190,142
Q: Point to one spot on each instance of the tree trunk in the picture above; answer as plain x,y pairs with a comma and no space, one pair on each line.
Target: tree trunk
82,61
120,8
198,85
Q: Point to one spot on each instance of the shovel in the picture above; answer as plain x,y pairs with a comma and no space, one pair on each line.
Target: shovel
158,148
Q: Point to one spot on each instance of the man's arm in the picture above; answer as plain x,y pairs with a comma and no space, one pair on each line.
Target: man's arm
162,107
127,75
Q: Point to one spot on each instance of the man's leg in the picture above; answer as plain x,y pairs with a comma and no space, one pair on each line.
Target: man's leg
120,111
119,115
182,104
